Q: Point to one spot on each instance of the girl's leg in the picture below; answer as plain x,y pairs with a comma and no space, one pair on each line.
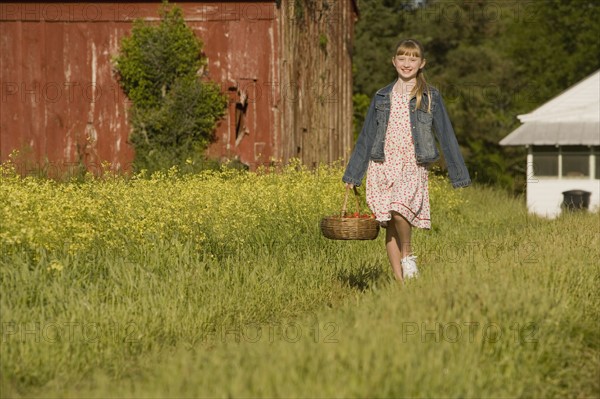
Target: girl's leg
397,242
404,229
393,249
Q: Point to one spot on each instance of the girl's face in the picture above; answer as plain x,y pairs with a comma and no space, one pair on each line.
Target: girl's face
408,66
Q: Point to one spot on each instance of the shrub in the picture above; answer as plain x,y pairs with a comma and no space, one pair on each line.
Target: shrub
174,113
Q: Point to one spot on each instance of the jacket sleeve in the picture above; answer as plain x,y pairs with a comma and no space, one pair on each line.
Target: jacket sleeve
457,170
359,159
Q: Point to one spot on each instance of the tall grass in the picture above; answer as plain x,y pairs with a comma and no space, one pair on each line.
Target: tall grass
221,285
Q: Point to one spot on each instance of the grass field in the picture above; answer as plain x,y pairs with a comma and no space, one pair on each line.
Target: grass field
220,285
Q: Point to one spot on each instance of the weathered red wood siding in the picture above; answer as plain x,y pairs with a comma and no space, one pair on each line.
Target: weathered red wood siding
60,101
61,104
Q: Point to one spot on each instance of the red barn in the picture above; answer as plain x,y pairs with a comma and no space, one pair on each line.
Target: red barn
286,66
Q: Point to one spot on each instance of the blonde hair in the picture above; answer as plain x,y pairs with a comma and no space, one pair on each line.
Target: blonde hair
412,48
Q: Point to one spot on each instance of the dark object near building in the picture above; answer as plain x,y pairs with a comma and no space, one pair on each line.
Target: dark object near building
576,200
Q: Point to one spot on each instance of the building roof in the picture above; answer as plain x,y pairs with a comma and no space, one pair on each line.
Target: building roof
571,118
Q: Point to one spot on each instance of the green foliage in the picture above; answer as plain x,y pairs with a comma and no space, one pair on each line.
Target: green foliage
323,41
377,31
174,113
491,61
556,48
229,281
360,106
223,247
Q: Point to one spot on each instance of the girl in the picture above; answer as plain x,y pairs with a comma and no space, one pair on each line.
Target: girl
396,144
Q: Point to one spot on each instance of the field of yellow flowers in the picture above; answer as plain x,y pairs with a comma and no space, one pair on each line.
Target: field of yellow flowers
220,284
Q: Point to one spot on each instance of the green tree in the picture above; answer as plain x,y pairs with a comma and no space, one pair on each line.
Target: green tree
555,44
378,30
174,112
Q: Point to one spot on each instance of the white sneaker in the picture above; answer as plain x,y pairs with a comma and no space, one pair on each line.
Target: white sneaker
409,267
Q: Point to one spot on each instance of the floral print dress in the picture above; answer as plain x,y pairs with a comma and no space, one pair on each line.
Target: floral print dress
399,184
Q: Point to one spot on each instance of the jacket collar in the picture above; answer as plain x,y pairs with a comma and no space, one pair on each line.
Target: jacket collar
388,89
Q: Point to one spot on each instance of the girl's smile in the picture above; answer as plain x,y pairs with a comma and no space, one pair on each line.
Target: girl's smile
407,66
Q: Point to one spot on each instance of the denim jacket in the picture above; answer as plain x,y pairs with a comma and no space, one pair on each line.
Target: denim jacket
371,141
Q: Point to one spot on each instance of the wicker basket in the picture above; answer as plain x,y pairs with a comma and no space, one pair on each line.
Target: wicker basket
340,227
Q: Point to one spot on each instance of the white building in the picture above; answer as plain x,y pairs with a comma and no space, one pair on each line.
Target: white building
563,141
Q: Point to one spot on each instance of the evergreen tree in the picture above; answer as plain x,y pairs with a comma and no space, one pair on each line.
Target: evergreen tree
174,113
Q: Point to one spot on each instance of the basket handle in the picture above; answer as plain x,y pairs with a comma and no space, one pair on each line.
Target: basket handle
346,200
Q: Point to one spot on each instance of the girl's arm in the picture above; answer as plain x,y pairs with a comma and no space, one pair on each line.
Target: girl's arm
457,170
359,160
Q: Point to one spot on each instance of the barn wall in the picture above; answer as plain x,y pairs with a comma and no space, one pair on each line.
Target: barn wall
316,65
242,51
287,77
60,102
